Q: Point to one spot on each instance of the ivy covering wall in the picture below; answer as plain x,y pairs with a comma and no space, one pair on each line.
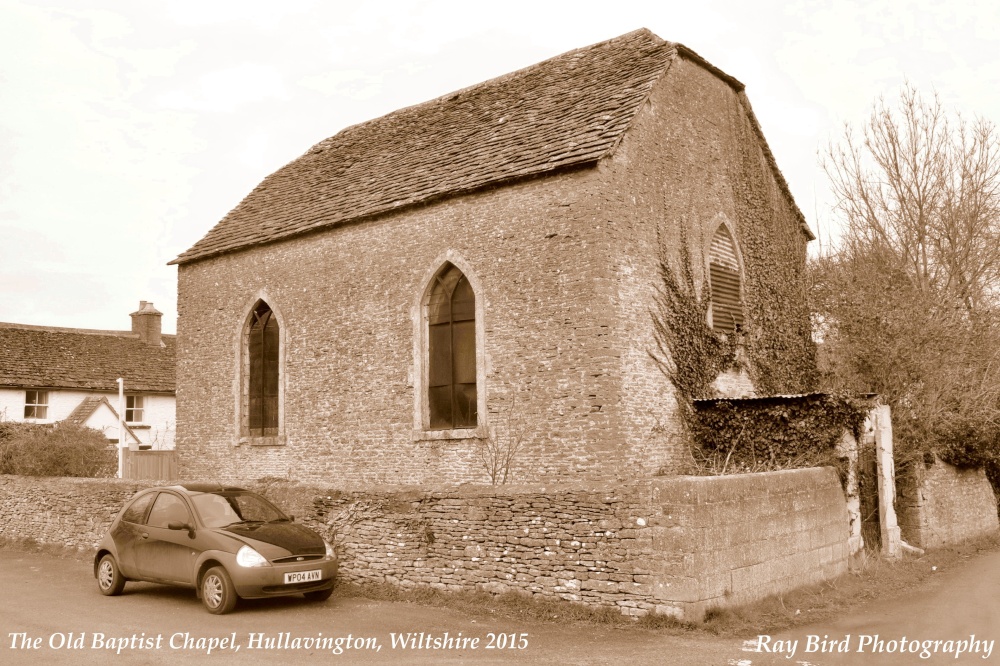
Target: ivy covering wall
762,434
778,335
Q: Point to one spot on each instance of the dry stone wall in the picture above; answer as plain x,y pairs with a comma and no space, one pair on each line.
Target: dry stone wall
672,545
68,512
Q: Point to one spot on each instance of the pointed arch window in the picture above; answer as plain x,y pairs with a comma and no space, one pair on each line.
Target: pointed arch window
726,283
451,352
263,338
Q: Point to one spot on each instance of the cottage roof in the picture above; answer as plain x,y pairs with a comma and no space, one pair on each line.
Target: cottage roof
45,357
568,111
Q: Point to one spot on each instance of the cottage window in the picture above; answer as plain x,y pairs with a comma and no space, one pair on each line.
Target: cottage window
36,404
262,372
726,286
134,408
451,352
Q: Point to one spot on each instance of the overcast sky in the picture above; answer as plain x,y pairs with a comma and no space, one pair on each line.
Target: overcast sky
128,128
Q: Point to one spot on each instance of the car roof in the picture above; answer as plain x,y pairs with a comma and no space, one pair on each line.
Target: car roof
191,488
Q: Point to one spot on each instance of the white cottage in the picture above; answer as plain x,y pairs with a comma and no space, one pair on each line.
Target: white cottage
49,375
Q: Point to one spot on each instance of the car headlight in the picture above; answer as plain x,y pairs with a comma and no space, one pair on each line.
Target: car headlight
329,549
248,557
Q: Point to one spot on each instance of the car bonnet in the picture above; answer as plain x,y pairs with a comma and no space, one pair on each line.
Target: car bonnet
275,540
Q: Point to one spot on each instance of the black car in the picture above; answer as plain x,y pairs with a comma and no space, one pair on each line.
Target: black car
227,543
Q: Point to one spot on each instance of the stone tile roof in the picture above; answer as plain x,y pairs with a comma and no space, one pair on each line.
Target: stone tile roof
43,357
85,409
569,111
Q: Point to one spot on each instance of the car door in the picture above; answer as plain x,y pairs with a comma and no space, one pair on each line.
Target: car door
128,533
164,554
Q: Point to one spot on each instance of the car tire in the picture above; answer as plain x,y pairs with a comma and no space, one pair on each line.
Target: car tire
318,595
217,591
109,577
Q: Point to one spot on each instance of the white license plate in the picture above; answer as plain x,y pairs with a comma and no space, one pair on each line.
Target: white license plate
303,576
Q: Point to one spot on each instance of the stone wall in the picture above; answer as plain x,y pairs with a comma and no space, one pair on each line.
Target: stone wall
939,504
66,511
677,545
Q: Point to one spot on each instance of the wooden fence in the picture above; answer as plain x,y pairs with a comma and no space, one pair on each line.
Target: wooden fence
149,465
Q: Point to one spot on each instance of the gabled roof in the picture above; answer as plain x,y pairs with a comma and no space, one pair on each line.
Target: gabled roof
44,357
566,112
82,413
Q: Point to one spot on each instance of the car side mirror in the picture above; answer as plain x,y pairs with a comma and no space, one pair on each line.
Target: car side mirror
178,525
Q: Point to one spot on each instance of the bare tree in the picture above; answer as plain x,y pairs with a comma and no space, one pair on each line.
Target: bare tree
502,443
908,298
922,191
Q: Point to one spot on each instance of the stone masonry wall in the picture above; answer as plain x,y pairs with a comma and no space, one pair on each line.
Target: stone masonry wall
940,504
672,545
566,270
69,512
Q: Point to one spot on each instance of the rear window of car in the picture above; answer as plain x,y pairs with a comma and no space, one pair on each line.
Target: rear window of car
137,510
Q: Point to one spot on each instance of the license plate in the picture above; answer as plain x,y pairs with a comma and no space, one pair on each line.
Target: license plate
303,576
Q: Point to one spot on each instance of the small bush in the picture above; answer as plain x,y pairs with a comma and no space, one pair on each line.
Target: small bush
61,450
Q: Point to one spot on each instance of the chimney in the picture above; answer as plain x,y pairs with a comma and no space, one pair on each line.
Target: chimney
146,323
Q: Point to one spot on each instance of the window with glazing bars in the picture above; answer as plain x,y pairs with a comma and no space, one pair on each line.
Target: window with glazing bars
262,352
36,404
451,351
134,408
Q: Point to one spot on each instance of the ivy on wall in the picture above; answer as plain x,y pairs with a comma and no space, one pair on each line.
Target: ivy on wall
780,355
763,434
778,332
689,353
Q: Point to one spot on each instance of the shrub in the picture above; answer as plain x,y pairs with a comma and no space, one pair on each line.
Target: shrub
60,450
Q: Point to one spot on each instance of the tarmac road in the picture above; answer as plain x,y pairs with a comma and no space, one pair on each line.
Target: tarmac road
54,603
960,605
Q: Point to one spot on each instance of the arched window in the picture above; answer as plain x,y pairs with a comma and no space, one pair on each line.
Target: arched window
451,351
262,372
726,287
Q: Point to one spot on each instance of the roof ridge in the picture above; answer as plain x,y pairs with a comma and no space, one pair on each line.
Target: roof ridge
82,331
496,80
569,111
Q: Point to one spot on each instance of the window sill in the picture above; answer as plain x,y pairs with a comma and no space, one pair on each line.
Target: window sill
257,440
138,426
454,433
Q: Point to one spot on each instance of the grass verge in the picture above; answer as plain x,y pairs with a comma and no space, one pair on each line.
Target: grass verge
876,579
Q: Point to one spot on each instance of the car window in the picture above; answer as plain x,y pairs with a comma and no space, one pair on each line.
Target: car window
137,510
168,508
234,506
253,507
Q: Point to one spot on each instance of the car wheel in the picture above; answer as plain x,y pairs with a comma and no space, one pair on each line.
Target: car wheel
217,591
109,577
318,595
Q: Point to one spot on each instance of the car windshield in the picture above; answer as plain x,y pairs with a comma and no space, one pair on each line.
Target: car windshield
237,506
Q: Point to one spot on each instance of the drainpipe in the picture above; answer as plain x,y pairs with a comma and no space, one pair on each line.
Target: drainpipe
121,428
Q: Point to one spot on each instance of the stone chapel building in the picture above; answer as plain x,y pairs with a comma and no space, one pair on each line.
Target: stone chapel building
486,264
